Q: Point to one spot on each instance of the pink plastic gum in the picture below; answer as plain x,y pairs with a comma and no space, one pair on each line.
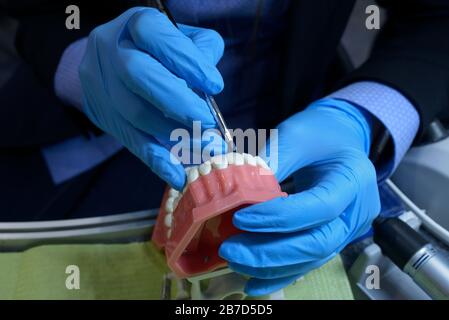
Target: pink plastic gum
203,218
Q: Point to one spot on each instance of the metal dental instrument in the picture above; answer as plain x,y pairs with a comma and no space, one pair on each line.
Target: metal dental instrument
213,106
220,121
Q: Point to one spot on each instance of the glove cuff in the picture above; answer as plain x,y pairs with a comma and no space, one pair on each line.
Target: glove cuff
365,120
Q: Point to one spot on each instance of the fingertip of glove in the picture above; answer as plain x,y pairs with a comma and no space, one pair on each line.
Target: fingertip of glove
177,180
253,218
228,251
173,174
242,220
223,251
253,289
214,84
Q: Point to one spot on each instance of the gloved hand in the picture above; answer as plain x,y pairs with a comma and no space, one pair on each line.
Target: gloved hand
137,77
326,147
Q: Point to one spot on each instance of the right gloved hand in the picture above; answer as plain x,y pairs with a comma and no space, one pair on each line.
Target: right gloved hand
137,77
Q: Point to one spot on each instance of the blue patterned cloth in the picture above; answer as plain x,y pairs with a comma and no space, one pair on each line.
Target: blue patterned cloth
390,107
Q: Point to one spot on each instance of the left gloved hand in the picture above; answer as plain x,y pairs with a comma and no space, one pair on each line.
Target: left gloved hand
326,147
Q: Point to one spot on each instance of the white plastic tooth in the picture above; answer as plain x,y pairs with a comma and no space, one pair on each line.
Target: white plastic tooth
219,162
238,159
249,159
175,202
168,220
192,175
169,205
205,168
188,169
231,158
173,193
262,163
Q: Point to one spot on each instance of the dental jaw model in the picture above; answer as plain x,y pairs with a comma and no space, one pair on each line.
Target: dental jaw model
192,224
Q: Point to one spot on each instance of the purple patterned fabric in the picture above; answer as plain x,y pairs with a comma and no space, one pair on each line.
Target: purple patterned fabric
74,156
390,107
67,84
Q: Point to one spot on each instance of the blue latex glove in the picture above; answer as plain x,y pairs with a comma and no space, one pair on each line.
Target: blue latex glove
326,147
137,77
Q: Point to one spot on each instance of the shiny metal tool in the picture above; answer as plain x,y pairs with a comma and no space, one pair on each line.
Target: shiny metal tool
213,107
